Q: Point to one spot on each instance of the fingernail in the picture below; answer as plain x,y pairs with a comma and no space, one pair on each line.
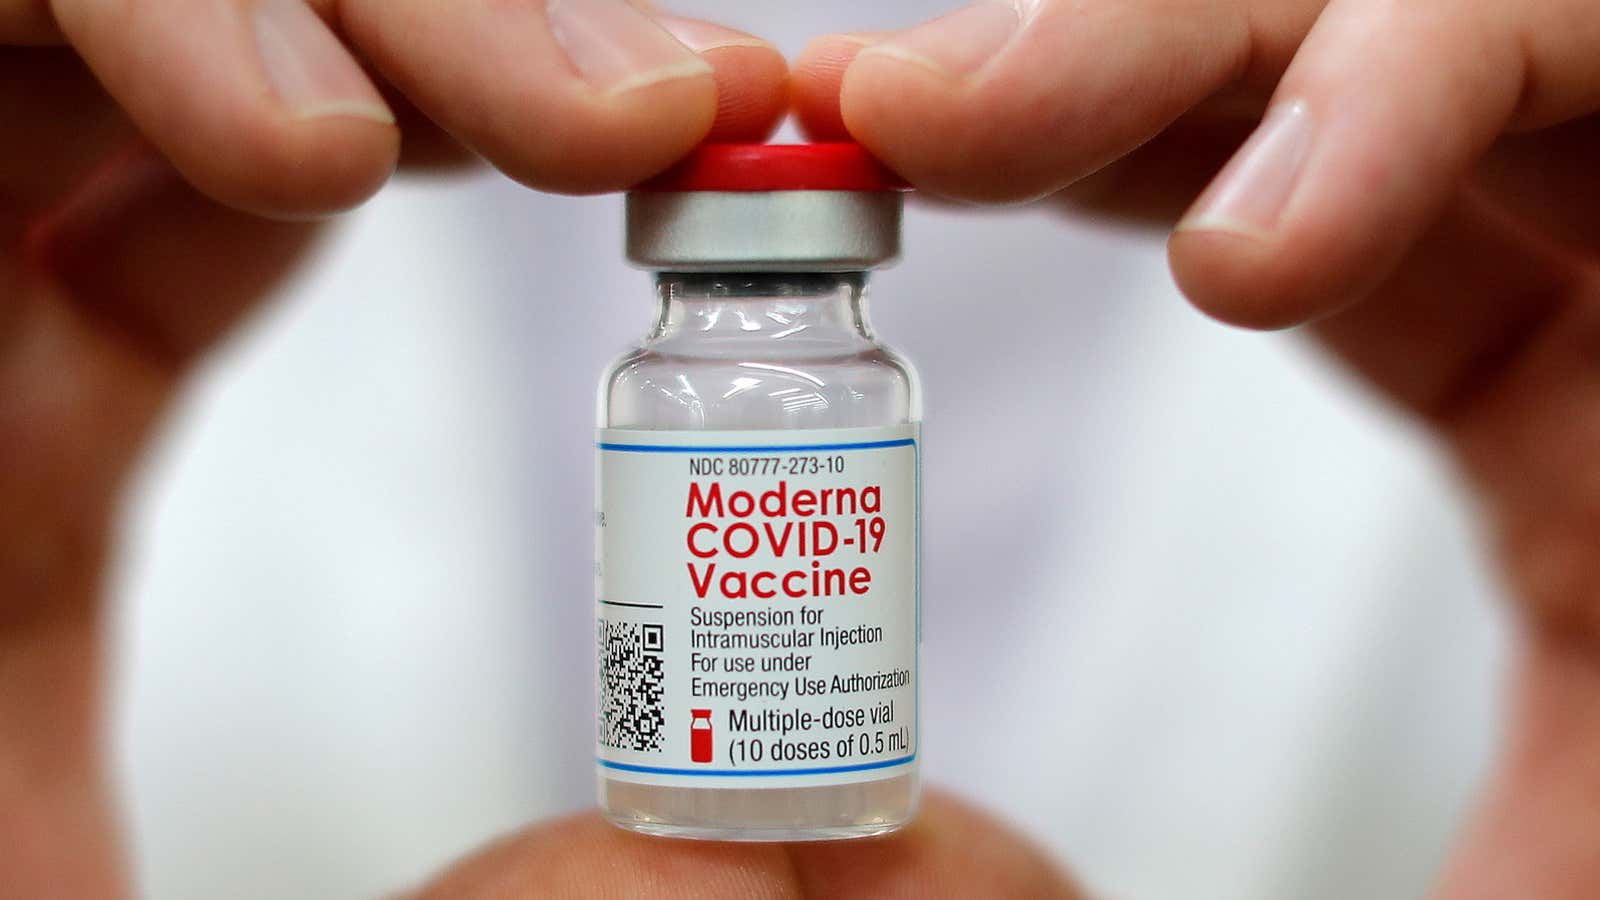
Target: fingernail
1250,194
309,70
617,48
702,36
959,44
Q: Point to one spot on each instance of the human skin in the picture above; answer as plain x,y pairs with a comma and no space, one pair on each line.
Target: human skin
1422,199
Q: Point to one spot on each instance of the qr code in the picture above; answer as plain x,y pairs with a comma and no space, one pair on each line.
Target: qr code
630,686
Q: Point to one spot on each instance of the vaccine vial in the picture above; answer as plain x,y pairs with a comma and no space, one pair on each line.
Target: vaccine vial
757,521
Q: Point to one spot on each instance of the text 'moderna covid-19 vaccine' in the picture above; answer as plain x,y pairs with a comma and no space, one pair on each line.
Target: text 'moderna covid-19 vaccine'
757,520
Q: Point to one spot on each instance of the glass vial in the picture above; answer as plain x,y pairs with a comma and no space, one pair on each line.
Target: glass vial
757,523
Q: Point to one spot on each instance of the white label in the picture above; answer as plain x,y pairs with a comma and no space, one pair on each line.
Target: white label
757,606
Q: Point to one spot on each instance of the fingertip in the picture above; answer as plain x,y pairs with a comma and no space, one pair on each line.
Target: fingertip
1240,279
599,147
281,165
951,849
585,856
575,98
972,141
325,139
302,168
752,93
818,78
262,109
752,77
1003,102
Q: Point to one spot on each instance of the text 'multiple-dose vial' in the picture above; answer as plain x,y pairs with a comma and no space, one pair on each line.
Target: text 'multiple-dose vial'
759,501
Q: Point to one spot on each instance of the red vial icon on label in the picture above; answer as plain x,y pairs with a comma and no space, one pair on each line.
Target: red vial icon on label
700,736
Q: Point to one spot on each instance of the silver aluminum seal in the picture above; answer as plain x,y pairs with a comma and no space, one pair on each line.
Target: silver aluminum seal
763,231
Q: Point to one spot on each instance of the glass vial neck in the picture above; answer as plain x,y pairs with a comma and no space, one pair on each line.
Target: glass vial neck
793,306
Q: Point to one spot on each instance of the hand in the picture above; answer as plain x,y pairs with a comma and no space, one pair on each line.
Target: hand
950,850
124,258
1422,193
162,165
106,317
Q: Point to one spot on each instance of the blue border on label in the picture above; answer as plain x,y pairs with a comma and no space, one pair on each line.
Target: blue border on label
790,448
916,448
742,773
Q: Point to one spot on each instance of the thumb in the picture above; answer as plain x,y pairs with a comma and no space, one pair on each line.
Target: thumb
1372,131
951,850
1006,101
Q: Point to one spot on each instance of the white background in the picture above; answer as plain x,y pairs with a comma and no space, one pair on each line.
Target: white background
1213,627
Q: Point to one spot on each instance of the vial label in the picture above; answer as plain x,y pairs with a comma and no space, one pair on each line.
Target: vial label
757,606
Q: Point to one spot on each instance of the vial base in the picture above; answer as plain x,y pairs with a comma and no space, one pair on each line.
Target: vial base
835,812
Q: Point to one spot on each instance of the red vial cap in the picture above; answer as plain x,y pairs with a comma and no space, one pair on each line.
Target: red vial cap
700,713
777,167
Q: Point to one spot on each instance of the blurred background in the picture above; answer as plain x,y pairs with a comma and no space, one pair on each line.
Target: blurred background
1217,627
